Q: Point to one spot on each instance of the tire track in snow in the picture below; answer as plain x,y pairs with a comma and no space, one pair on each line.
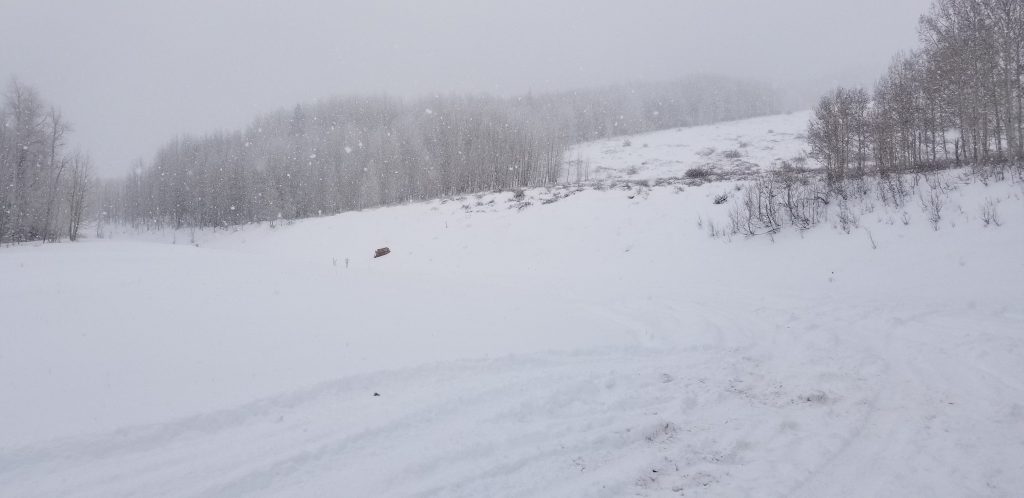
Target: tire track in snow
462,429
705,418
933,406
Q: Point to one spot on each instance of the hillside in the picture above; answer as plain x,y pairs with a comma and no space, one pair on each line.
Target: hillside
584,340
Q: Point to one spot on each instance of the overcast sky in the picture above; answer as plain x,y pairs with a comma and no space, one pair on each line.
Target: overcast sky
131,74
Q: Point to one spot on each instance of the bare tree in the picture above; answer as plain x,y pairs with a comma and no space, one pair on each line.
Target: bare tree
58,128
837,133
77,191
963,90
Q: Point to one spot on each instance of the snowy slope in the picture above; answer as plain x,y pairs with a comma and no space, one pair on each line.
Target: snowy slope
598,345
751,144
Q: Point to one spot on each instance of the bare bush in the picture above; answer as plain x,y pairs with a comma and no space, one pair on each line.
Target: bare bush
801,201
846,218
698,173
714,231
892,190
990,213
759,211
932,206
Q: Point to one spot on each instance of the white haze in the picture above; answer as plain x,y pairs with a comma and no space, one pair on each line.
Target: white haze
132,74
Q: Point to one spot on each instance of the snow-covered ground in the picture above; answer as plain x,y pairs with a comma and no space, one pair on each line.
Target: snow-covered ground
748,145
580,342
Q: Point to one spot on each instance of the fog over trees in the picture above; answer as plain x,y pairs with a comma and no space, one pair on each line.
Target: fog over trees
959,98
356,152
222,63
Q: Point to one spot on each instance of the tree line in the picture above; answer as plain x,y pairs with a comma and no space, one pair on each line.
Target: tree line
357,152
958,98
43,186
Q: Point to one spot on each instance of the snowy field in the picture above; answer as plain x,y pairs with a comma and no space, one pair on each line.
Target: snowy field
578,342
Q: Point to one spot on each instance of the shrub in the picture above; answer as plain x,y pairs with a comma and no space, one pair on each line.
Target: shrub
932,206
698,173
989,213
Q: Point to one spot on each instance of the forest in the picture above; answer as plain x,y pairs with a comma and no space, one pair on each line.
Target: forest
957,99
358,152
335,155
